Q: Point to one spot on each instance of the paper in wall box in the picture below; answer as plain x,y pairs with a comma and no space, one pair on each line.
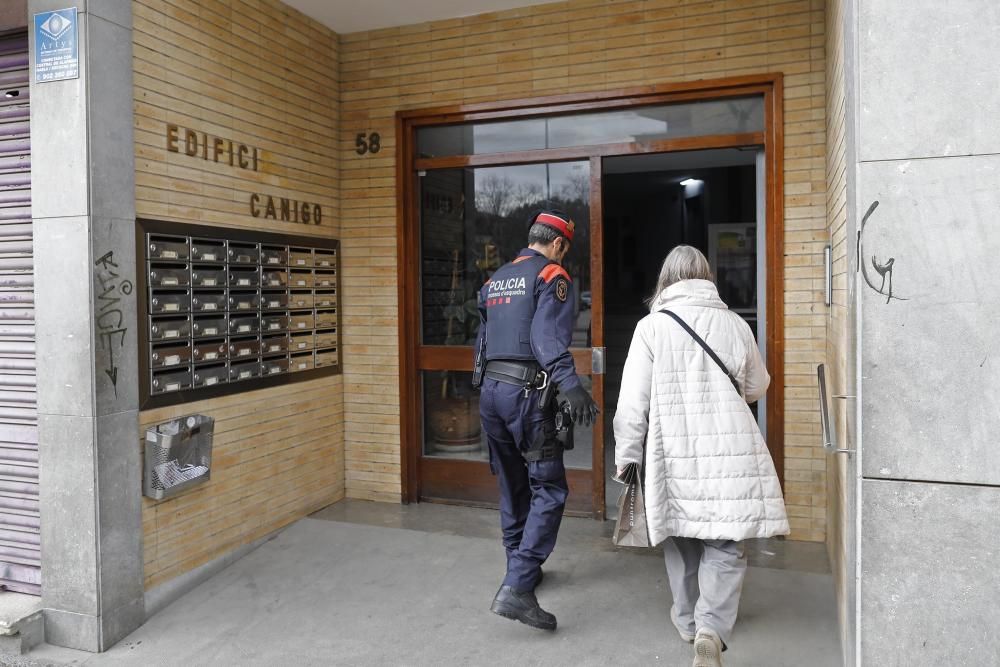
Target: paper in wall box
178,455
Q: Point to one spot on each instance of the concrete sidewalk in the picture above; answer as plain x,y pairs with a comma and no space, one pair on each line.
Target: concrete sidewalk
367,584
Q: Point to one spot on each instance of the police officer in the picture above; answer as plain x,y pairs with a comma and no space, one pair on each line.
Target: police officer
527,315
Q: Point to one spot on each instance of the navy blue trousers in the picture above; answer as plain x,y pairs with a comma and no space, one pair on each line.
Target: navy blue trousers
532,495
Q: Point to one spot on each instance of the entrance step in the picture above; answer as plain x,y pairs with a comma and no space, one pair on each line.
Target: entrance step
22,626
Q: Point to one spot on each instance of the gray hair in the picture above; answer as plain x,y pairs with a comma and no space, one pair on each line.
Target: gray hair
542,234
683,263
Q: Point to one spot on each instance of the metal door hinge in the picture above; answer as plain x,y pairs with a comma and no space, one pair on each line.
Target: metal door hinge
597,360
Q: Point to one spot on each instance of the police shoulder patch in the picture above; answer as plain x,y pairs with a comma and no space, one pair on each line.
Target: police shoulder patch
562,289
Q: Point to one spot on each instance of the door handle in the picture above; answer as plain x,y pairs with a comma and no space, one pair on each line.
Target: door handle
827,429
597,360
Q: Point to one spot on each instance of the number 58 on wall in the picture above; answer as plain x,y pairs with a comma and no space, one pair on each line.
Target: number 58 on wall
368,143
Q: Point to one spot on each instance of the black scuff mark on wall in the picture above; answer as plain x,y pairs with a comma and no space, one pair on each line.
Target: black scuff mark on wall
884,269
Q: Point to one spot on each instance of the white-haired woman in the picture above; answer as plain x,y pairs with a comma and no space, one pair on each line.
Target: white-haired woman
710,482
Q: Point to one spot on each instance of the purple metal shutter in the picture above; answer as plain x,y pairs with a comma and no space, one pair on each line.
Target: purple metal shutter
20,557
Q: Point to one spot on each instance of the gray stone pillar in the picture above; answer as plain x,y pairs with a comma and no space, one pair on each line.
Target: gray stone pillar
83,205
929,376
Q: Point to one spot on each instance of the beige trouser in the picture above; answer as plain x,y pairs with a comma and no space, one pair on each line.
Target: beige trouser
706,579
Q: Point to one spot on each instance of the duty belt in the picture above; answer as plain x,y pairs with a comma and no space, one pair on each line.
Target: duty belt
525,374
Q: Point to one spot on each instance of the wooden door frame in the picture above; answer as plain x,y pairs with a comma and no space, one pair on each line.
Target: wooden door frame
413,356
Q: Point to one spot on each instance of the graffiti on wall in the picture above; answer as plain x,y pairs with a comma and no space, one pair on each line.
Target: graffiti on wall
111,326
883,269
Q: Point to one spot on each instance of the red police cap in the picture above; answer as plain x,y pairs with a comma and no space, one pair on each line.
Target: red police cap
564,226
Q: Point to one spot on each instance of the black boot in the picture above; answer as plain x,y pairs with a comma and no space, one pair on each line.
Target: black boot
514,604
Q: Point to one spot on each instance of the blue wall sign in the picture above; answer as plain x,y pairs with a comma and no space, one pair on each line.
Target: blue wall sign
56,54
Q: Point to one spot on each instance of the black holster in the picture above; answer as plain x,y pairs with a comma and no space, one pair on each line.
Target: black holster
564,426
550,442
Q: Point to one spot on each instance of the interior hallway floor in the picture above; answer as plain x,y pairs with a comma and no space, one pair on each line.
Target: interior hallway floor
364,583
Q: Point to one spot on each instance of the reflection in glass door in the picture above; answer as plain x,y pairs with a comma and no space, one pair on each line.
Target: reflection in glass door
472,221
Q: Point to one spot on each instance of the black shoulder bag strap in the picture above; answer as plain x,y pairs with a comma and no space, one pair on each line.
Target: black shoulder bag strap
698,339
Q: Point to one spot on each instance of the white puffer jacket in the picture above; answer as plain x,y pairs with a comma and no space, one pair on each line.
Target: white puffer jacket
708,471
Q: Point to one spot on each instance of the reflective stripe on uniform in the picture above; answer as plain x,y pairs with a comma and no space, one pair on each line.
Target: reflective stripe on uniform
553,271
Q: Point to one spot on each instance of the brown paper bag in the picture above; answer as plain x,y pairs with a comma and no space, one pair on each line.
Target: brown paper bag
630,528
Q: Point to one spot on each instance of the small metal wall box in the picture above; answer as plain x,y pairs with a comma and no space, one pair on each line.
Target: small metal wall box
178,455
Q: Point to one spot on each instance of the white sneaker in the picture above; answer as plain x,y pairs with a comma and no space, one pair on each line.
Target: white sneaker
707,649
685,635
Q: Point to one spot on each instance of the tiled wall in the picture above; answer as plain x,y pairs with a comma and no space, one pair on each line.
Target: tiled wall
577,46
260,73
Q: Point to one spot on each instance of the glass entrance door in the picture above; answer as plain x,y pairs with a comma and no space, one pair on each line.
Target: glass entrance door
471,175
472,221
710,199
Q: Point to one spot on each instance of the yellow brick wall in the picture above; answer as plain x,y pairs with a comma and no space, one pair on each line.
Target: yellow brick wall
260,73
837,333
567,47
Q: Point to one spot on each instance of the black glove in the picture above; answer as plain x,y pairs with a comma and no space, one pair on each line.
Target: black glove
583,406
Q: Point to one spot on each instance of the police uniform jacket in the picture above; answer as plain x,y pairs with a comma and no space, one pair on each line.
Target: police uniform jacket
526,311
